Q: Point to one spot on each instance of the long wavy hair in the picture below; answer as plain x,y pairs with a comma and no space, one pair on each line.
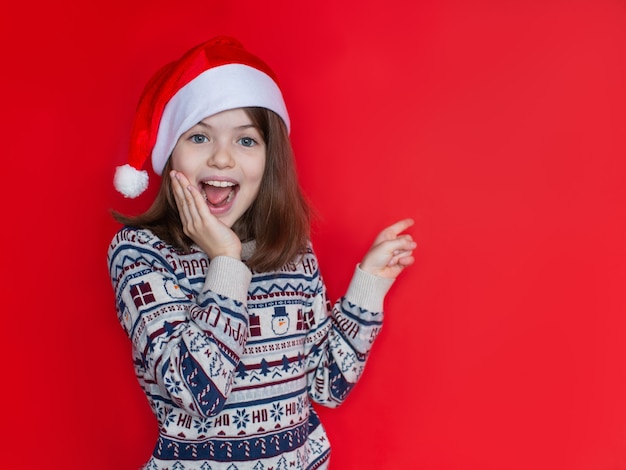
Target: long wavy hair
278,219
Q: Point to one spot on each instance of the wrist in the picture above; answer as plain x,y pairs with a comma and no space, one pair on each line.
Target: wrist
236,254
367,289
231,251
228,277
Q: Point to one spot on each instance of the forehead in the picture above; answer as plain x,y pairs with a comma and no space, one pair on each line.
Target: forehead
229,118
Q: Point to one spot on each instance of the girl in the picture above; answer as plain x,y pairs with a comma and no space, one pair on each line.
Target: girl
217,285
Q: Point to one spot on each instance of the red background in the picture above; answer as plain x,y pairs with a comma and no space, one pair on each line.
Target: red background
500,127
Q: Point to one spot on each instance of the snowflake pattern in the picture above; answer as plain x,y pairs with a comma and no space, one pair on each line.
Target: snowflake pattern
241,418
276,412
202,425
159,410
173,386
300,405
169,419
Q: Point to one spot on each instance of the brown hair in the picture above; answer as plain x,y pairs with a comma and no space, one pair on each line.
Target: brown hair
278,219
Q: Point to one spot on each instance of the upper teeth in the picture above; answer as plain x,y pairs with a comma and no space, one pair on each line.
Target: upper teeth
219,184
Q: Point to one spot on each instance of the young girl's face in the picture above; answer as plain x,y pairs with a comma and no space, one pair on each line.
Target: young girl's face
224,157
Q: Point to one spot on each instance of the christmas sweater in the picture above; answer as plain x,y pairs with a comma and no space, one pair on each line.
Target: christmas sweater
231,360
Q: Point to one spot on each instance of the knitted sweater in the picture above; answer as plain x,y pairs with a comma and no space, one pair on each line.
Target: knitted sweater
230,359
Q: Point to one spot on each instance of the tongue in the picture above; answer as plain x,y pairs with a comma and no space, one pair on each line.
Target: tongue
217,196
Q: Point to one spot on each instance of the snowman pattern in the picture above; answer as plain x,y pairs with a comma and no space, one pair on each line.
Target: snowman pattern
280,321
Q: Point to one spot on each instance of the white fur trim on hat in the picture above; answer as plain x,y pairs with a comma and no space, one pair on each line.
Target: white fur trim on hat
215,90
129,181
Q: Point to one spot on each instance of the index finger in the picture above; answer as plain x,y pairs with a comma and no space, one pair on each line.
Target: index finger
394,230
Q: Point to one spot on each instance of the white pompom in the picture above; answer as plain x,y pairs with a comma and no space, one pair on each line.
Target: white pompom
129,181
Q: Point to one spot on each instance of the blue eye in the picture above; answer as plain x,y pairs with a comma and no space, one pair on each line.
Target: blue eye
198,139
247,141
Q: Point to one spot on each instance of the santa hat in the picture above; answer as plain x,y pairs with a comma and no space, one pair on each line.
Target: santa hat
215,76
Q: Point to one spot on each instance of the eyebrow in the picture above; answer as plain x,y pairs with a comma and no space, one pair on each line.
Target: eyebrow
245,126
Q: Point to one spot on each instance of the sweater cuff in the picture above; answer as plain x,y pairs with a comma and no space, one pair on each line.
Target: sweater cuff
368,290
228,277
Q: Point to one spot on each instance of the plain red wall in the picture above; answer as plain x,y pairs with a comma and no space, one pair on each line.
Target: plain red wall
498,126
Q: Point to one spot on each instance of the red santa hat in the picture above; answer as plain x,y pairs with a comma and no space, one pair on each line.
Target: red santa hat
214,76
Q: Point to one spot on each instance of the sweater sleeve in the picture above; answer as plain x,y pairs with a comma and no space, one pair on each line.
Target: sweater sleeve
343,335
186,347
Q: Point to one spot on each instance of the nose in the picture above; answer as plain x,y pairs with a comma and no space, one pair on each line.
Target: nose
220,157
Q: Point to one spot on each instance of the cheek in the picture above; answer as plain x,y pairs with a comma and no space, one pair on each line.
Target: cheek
260,172
254,169
175,160
260,169
182,161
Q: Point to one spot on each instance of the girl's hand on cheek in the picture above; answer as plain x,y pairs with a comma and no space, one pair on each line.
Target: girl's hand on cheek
391,252
206,230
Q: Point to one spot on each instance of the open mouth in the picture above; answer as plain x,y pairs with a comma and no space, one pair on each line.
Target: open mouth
219,193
